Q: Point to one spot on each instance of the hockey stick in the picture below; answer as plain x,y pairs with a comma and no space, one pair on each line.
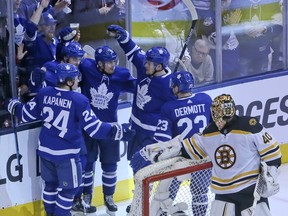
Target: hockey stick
258,188
89,50
16,144
194,17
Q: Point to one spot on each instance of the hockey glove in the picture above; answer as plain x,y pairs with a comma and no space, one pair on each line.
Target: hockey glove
11,105
128,133
139,160
67,34
123,132
269,176
37,77
118,32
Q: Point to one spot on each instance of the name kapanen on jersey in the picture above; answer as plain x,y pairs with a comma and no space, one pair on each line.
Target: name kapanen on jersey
183,111
61,102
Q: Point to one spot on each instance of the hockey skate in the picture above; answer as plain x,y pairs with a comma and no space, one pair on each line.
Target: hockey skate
128,208
80,206
110,205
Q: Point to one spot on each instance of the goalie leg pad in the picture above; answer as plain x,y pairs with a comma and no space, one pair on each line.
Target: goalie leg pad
177,208
219,207
260,210
199,204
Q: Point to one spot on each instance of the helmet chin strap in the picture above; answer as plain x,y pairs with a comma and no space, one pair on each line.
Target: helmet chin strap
155,71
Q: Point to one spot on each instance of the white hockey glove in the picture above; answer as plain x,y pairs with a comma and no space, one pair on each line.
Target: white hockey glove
269,176
164,150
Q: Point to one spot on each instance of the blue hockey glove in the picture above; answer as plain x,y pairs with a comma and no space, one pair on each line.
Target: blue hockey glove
67,34
128,133
139,160
11,105
37,77
123,132
119,33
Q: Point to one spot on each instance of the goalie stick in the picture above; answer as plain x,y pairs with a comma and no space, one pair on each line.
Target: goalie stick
194,17
258,188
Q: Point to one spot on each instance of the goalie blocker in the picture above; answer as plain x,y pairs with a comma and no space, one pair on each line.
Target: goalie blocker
250,143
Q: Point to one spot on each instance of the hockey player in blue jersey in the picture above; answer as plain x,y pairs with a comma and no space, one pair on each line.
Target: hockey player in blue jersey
153,77
71,52
187,115
65,113
102,82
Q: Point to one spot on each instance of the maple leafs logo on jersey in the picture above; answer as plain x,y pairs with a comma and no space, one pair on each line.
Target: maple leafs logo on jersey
19,34
100,97
142,97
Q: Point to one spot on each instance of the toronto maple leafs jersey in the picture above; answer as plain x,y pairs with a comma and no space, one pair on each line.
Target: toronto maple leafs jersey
152,92
39,52
24,29
103,90
235,152
64,114
185,116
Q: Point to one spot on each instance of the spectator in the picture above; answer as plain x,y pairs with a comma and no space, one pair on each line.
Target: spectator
200,65
257,31
42,50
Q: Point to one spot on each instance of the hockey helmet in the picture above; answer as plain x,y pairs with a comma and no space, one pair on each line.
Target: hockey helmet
183,80
66,71
105,53
158,55
72,49
222,110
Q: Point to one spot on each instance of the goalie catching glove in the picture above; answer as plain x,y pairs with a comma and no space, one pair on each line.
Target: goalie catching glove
155,152
269,175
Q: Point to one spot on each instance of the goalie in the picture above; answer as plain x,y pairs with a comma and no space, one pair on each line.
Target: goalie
238,147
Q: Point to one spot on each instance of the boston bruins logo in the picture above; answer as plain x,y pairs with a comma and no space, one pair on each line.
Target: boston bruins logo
225,156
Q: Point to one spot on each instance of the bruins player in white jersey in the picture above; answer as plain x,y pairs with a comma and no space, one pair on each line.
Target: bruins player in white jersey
238,147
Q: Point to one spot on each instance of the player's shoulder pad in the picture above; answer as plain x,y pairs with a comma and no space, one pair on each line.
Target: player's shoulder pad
86,63
248,124
210,128
203,96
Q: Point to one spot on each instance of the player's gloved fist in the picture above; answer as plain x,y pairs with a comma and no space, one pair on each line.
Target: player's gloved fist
128,133
37,77
118,32
123,132
139,160
67,34
11,105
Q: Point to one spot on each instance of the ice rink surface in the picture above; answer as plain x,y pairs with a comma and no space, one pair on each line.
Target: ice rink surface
278,202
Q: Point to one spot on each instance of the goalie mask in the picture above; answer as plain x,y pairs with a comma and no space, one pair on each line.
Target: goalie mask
222,110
